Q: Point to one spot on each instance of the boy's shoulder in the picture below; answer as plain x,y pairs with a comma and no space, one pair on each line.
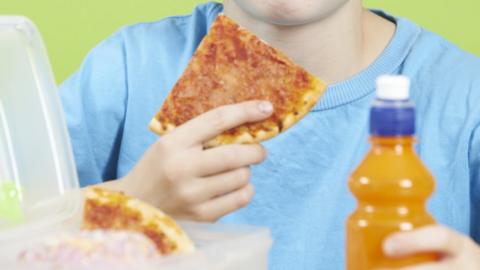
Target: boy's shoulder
441,59
444,77
174,30
152,48
442,68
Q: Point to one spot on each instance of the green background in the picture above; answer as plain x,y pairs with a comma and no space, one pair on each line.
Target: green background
72,27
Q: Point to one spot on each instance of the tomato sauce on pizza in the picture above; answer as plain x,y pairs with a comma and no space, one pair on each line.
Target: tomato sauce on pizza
232,65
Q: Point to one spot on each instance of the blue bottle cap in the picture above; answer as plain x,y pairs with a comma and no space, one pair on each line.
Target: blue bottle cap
392,113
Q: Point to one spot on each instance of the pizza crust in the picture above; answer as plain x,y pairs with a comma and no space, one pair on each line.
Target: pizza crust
160,128
147,218
164,224
271,129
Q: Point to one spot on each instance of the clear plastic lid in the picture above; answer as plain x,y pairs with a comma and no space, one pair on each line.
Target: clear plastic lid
38,181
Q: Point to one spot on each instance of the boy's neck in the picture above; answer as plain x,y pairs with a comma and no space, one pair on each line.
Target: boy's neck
334,48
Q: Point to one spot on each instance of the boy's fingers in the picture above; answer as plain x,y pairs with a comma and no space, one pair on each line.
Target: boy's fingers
226,158
427,266
224,183
216,208
427,239
212,123
200,190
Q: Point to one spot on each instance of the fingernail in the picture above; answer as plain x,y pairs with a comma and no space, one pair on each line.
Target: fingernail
390,247
266,107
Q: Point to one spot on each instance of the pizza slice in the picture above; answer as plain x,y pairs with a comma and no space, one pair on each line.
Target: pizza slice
111,210
232,65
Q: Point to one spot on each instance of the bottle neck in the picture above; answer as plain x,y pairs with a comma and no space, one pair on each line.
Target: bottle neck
391,118
392,141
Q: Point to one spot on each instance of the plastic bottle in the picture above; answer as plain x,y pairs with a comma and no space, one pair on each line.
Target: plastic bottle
391,184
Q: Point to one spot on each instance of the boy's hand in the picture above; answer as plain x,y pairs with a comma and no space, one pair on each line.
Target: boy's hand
457,251
177,175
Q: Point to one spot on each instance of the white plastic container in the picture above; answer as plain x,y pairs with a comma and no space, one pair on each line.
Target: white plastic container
35,152
218,247
39,188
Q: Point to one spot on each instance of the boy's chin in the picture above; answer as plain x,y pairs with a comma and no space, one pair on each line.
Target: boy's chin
282,21
282,15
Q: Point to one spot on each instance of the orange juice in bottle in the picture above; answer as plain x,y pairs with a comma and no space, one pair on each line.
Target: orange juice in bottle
391,184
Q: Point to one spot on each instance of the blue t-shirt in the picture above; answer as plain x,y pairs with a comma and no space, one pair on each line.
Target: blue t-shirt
301,189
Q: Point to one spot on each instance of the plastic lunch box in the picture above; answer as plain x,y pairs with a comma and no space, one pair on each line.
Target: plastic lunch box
39,188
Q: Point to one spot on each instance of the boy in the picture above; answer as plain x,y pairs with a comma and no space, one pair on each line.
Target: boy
301,191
